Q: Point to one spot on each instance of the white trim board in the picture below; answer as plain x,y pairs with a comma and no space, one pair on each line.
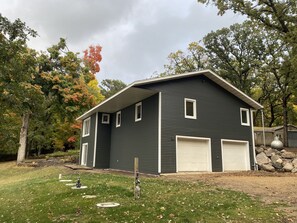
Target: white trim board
95,140
84,154
84,127
247,112
159,132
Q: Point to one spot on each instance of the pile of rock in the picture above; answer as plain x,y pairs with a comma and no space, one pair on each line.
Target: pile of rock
271,160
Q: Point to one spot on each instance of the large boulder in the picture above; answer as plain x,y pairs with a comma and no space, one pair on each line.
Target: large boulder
270,152
262,159
294,162
276,161
267,167
294,170
288,155
259,150
288,167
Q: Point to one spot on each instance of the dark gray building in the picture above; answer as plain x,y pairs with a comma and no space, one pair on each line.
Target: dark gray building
190,122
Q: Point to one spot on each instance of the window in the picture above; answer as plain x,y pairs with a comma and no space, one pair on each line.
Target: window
105,118
190,108
118,119
84,154
244,116
138,112
86,127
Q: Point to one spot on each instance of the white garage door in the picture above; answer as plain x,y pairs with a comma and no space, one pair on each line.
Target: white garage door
235,155
193,154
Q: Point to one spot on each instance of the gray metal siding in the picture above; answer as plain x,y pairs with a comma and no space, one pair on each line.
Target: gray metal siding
90,139
292,138
218,117
103,143
136,139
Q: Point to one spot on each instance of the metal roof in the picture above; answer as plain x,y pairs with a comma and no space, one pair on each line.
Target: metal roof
134,93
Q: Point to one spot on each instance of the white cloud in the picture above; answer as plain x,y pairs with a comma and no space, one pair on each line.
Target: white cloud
136,35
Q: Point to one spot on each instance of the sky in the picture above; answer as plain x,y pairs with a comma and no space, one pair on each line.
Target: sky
136,35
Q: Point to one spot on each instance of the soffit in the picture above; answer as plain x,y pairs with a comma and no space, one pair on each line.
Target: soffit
125,98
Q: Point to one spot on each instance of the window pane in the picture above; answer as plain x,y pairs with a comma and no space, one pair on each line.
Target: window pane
118,120
86,127
105,118
189,108
244,117
138,112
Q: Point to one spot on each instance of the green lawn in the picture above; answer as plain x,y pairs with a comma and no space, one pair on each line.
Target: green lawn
36,195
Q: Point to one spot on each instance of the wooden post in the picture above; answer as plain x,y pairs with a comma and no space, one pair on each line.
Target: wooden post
135,165
136,179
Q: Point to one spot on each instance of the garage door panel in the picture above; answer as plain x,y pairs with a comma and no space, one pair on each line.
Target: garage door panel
193,154
235,156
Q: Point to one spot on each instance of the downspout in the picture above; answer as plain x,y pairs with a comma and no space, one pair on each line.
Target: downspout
253,140
263,128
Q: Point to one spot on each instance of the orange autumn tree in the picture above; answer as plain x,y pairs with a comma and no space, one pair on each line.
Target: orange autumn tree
69,85
92,58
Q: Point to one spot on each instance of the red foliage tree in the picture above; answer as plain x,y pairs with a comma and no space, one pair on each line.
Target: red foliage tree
92,58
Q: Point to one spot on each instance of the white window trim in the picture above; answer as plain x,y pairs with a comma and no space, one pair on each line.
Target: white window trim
139,104
108,118
247,116
84,154
194,107
84,127
117,116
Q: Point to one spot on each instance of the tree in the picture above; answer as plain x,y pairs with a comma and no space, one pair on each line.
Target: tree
110,87
70,88
48,89
277,15
17,68
92,58
279,65
179,62
236,54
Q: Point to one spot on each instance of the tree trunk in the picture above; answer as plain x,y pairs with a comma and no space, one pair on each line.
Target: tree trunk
23,138
285,120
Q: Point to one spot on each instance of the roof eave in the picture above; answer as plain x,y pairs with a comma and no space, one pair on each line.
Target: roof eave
208,73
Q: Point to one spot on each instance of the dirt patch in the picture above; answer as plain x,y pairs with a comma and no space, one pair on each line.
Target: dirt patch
278,188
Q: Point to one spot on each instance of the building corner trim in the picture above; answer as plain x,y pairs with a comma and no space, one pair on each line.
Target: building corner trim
159,132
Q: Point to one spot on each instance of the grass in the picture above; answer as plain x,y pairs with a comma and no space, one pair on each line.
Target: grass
36,195
61,153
